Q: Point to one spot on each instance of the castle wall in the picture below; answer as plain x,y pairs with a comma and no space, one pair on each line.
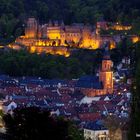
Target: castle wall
54,32
31,29
87,37
50,34
73,34
50,50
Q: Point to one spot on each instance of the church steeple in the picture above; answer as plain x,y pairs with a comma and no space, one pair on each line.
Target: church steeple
106,62
106,55
106,73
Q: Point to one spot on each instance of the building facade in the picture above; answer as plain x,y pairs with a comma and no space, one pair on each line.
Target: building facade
39,38
95,131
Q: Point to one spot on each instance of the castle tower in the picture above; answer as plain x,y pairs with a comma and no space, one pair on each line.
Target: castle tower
31,29
106,73
86,36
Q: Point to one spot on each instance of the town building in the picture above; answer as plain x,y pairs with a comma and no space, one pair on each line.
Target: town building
94,131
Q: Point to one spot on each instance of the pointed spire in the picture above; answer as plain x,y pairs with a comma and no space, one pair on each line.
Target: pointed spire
56,23
106,55
62,23
50,23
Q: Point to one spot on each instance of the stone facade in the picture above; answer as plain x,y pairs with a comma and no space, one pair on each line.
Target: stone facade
96,134
58,34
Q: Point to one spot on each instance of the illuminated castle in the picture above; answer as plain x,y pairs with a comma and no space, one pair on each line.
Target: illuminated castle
46,38
98,85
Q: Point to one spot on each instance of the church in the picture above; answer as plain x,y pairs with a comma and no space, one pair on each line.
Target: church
98,85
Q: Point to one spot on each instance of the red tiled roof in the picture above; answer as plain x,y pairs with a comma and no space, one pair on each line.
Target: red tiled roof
89,116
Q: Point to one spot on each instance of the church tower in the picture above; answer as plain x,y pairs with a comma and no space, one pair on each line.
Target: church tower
31,29
106,73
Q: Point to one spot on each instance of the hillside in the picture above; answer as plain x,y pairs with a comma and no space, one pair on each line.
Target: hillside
13,13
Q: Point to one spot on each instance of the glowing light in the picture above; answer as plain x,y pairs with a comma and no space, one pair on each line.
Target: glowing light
110,114
50,50
53,33
119,93
32,49
121,27
1,46
112,45
56,37
124,89
135,39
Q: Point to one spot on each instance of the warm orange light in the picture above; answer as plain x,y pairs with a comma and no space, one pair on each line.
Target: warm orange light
13,46
112,45
52,39
50,50
121,27
135,39
32,49
53,33
95,44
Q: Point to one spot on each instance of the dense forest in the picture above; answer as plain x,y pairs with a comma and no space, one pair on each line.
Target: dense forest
81,62
22,63
134,129
13,13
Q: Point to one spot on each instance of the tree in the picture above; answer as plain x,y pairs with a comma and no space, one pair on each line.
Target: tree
135,105
34,123
114,123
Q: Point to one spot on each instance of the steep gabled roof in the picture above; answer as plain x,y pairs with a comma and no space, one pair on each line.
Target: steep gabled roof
95,126
89,82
